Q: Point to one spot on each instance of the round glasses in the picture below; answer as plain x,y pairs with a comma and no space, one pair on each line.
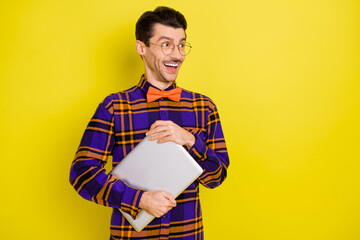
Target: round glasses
168,47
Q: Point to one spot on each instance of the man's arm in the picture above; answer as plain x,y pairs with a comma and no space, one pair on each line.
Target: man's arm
87,174
210,151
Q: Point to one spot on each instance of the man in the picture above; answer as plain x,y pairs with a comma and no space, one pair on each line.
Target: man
123,119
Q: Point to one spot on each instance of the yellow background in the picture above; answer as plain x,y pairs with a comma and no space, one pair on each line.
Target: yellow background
285,78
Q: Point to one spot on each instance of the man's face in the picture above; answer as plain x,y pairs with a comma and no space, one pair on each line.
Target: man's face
159,66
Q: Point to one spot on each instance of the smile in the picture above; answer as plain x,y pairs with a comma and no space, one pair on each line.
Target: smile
174,65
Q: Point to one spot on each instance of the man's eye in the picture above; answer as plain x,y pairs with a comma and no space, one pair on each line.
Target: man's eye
182,45
165,44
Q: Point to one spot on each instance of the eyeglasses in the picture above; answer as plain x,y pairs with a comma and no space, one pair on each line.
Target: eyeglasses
168,47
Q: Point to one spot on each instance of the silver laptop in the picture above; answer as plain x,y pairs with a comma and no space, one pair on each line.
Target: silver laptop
152,166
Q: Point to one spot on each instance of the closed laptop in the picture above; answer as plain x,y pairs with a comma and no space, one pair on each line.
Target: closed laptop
153,166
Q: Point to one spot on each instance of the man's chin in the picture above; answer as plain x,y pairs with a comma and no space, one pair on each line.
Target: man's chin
169,77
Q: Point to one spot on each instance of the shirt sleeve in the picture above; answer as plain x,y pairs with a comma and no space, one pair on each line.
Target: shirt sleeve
210,152
87,173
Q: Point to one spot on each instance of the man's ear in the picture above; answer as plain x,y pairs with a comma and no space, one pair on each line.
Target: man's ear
140,47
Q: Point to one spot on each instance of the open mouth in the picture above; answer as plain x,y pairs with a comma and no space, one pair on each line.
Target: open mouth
171,67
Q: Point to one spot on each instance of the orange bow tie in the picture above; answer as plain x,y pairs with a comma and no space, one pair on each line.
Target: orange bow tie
154,94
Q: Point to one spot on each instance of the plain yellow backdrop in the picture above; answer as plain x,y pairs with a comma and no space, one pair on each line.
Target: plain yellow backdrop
284,75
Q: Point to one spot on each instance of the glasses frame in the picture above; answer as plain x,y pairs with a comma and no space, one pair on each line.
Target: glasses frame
173,49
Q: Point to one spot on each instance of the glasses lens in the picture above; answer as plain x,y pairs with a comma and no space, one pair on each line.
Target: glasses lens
184,48
167,47
187,48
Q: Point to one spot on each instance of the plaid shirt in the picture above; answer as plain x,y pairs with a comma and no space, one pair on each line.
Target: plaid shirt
119,123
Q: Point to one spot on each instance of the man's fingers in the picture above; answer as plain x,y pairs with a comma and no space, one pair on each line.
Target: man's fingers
171,199
162,210
157,202
152,130
158,136
170,132
166,139
157,130
156,126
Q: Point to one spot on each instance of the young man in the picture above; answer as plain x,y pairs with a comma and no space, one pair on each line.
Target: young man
154,105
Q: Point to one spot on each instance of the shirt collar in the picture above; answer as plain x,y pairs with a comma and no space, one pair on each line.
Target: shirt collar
144,85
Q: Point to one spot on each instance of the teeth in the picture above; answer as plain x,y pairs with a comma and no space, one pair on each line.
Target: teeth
171,65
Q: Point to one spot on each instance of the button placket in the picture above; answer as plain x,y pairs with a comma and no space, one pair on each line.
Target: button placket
165,223
162,112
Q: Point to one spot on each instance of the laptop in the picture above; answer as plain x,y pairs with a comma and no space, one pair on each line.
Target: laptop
153,166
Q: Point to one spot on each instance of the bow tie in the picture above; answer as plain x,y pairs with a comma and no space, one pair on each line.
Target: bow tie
154,94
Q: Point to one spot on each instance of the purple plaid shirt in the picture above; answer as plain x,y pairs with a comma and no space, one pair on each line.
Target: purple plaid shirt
119,123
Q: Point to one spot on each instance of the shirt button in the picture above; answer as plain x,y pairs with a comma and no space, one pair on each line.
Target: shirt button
164,217
163,113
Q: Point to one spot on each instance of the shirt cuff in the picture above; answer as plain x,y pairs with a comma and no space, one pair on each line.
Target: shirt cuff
199,150
131,200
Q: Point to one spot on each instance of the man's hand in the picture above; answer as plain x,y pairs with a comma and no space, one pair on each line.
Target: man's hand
169,131
157,202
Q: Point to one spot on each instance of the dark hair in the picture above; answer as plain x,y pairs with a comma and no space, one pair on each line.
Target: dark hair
163,15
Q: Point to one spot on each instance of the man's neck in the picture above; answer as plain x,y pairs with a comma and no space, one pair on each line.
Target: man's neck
162,85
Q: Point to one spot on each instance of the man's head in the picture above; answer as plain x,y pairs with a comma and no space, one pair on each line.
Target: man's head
161,42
